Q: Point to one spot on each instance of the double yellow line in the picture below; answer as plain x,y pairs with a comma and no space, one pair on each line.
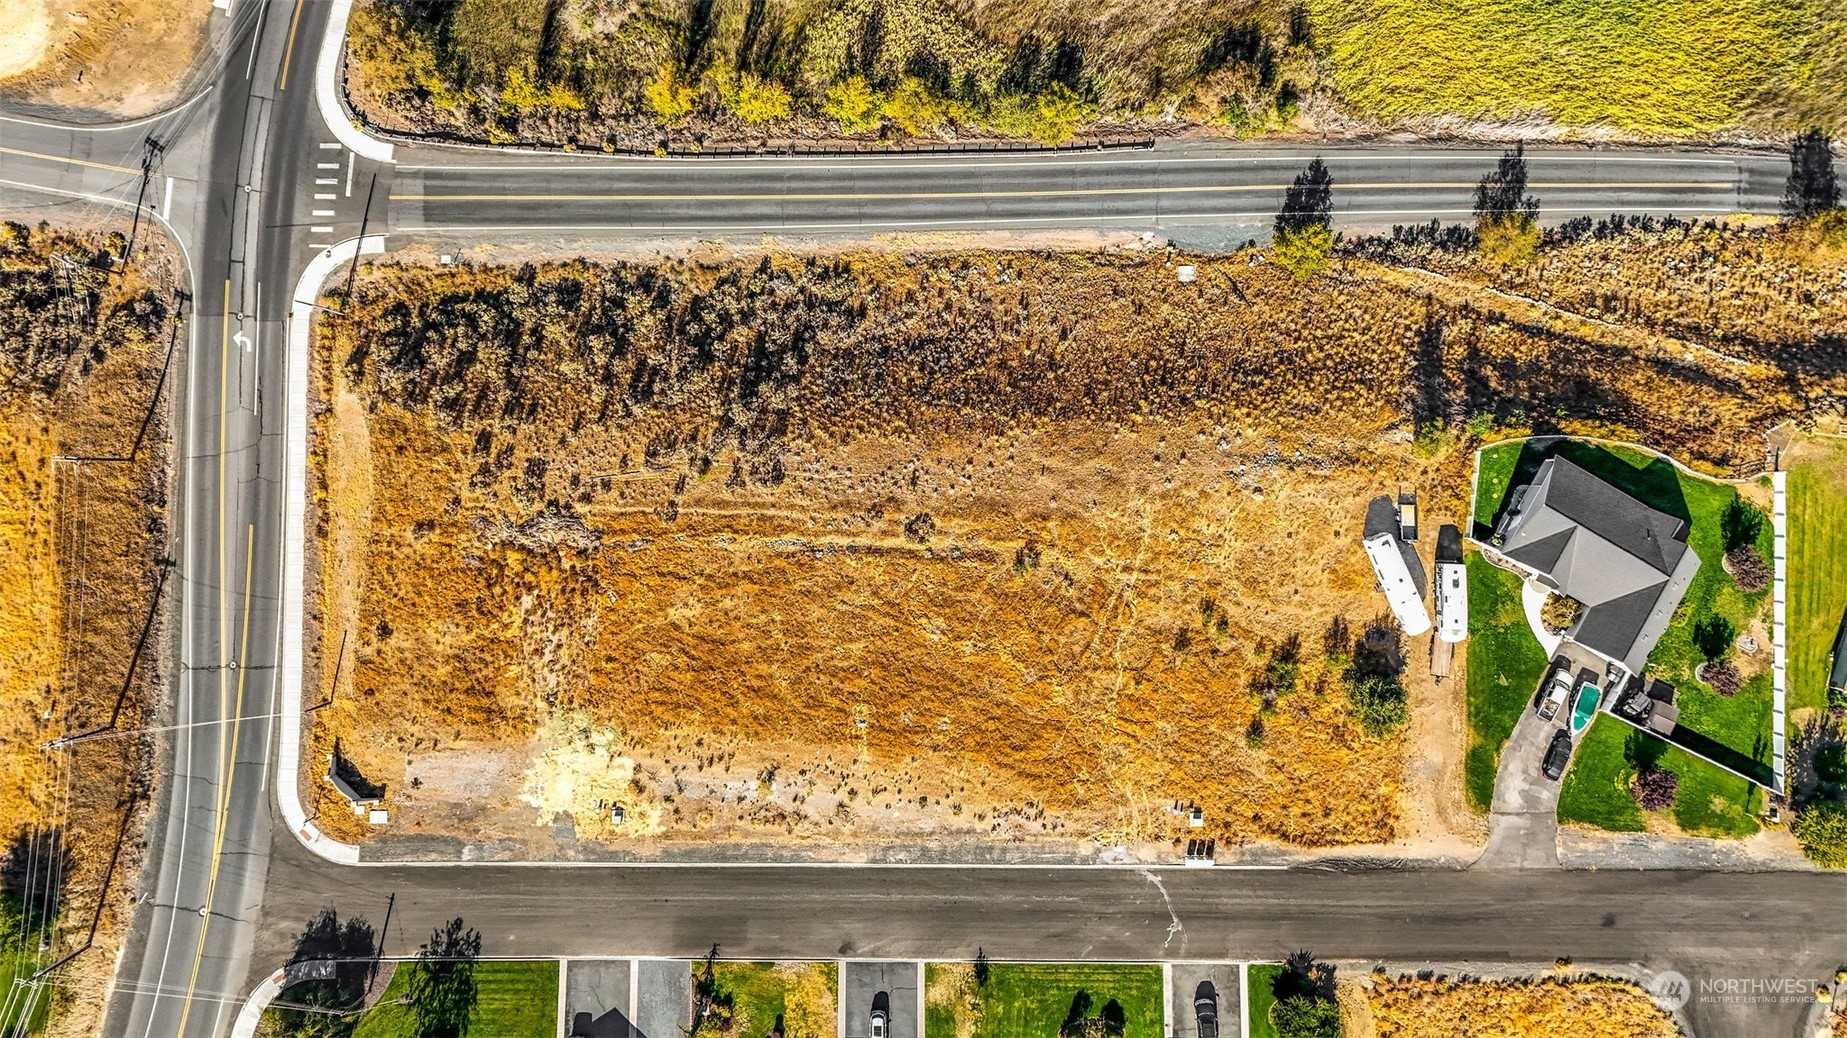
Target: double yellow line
227,762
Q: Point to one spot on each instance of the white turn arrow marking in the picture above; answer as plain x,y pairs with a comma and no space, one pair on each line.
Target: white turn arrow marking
242,340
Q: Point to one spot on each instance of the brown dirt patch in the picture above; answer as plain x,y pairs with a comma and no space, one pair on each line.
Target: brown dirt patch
1443,1007
124,58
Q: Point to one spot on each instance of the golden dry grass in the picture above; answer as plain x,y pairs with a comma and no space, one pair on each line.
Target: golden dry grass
1592,1007
779,657
78,551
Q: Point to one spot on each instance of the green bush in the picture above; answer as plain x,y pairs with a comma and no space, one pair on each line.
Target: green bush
1304,1017
1303,251
854,103
1821,829
1378,703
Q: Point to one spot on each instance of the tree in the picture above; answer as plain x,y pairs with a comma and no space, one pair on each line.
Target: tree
1559,612
1378,702
1304,234
1821,829
1748,569
668,98
328,1008
1305,1017
442,980
1812,188
981,968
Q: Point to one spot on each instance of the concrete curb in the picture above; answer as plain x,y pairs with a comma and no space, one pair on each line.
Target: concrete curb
245,1026
327,92
294,543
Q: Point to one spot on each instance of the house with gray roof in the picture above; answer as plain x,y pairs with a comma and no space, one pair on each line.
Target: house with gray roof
1628,563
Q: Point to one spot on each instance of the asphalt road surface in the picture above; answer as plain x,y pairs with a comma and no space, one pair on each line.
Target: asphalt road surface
252,183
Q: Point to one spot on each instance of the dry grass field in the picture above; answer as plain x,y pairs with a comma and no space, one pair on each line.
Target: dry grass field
78,550
1593,1007
124,58
879,547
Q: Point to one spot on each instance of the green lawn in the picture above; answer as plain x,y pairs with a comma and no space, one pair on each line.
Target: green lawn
10,1018
1710,802
514,1000
1817,570
1024,999
1666,66
1504,666
802,994
1741,723
1261,997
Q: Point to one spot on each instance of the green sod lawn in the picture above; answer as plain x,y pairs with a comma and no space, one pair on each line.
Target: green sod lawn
1710,802
1025,999
1741,723
801,994
514,1000
10,968
1262,996
1817,571
1504,666
1662,66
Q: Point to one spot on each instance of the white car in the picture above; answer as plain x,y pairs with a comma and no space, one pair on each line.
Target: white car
881,1015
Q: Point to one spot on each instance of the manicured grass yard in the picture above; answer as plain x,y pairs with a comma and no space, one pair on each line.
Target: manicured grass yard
1817,569
1741,722
1262,996
1710,802
1035,998
9,969
515,1000
1675,66
1504,665
803,994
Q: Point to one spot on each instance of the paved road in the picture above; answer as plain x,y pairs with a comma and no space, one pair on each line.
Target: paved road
252,182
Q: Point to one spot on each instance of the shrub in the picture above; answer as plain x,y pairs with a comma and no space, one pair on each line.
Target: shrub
854,104
1305,1017
1378,703
1821,829
1509,241
1654,787
1748,569
754,100
1303,251
913,110
668,98
1722,677
1560,612
1057,112
1254,734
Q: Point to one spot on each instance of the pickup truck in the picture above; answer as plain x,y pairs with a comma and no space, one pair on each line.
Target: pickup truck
1558,689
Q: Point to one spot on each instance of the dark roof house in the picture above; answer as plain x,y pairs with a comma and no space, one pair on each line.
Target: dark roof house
1629,564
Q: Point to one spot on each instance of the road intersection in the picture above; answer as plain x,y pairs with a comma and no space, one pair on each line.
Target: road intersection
260,174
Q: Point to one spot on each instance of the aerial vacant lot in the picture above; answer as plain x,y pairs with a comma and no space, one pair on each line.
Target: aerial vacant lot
79,544
1445,1007
1040,998
977,547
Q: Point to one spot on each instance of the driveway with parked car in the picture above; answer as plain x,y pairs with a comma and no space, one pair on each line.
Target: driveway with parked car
880,999
1204,1000
1523,817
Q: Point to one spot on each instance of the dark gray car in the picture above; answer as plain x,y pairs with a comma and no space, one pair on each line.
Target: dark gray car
1556,755
1206,1010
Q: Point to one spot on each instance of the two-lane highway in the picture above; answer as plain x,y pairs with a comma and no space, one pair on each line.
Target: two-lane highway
253,182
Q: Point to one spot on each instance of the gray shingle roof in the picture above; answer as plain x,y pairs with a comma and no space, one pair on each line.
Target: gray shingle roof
1628,563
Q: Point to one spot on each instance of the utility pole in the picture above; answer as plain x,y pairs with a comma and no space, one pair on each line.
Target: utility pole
364,218
150,156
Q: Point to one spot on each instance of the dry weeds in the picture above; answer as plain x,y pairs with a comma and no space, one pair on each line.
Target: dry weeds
79,544
1443,1007
986,545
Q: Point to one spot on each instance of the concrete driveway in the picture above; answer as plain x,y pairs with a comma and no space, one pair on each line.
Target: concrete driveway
1523,817
663,997
1185,980
902,984
596,998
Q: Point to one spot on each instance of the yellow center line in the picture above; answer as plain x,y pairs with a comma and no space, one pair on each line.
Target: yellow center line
67,160
1070,192
224,637
288,51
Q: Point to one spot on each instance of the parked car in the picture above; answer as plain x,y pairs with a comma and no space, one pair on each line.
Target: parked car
1556,755
1206,1010
1558,690
881,1015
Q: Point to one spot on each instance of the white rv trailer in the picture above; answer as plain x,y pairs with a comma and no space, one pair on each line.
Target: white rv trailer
1406,598
1452,601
